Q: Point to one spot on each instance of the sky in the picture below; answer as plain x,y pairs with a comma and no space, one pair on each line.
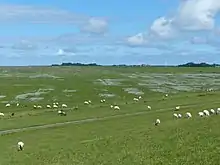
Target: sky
42,32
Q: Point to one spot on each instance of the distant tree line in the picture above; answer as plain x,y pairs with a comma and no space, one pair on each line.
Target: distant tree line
190,64
75,64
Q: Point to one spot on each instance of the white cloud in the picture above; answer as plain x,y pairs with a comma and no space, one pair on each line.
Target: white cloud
136,40
33,14
36,14
162,27
190,16
24,45
95,25
61,52
198,40
197,14
85,38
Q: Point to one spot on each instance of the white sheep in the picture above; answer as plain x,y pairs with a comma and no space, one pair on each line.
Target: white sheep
17,104
89,101
149,107
157,122
116,107
39,106
48,106
135,99
61,112
175,115
218,111
20,146
111,106
64,106
177,108
209,90
102,101
212,111
35,106
139,97
55,106
206,112
188,115
8,105
86,102
201,114
2,114
166,95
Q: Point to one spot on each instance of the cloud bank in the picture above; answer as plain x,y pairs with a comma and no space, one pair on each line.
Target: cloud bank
192,31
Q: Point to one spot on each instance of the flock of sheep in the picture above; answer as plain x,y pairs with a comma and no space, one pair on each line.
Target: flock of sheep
204,113
20,145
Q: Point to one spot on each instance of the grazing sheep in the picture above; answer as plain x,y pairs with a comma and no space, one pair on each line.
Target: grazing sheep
35,106
90,101
76,108
55,106
111,106
166,95
139,97
149,107
48,106
39,106
102,101
20,146
201,114
206,112
116,107
188,115
177,108
8,105
62,113
64,106
2,114
135,99
86,102
218,111
17,104
209,90
157,122
175,115
212,111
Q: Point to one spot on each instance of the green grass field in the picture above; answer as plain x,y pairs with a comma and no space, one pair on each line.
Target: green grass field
109,137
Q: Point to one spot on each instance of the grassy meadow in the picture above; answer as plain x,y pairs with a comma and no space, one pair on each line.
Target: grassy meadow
127,136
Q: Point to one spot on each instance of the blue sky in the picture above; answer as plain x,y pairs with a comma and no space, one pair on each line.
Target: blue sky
39,32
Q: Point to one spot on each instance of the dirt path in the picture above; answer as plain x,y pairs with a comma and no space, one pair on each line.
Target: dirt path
91,120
